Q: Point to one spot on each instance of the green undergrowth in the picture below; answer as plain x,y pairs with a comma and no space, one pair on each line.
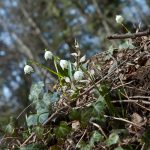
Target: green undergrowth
77,114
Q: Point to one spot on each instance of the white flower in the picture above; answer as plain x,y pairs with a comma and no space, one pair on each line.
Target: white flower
119,19
75,64
82,59
64,88
78,75
76,45
74,54
92,72
64,64
67,79
48,55
28,69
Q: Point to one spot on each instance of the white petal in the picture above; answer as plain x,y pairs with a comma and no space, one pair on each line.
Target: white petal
78,75
92,72
75,64
28,69
64,64
67,79
48,55
74,54
119,19
83,59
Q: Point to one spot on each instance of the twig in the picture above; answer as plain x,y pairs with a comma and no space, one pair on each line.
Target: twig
24,110
81,137
131,101
142,107
129,35
99,127
124,120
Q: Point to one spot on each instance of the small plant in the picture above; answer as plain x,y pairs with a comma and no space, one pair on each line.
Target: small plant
87,109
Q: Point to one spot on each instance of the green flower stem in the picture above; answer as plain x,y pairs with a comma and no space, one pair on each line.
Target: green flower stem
55,64
125,27
46,68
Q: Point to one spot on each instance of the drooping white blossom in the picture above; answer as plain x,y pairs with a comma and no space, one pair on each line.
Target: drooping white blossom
75,64
78,75
48,55
64,64
67,79
92,72
119,19
76,44
74,54
82,59
28,69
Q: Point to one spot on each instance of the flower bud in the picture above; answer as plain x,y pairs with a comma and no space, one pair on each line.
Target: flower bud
67,79
64,64
28,69
119,19
82,59
78,75
48,55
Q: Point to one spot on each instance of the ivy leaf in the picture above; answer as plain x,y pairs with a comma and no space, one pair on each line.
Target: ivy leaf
41,107
96,137
43,117
113,139
86,115
39,131
63,130
74,114
36,91
83,146
119,148
9,129
98,107
33,147
54,97
32,120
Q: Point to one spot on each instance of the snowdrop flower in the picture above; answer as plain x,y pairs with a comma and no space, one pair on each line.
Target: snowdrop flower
28,69
78,75
75,64
67,79
119,19
76,45
82,59
48,55
92,72
74,54
64,64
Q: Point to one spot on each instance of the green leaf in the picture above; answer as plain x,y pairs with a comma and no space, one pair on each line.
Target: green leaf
98,107
32,120
96,137
43,117
36,91
9,129
83,146
119,148
46,68
86,115
113,139
41,107
33,147
39,131
70,70
74,114
63,130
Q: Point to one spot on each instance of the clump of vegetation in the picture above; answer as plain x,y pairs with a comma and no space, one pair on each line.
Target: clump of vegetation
97,103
